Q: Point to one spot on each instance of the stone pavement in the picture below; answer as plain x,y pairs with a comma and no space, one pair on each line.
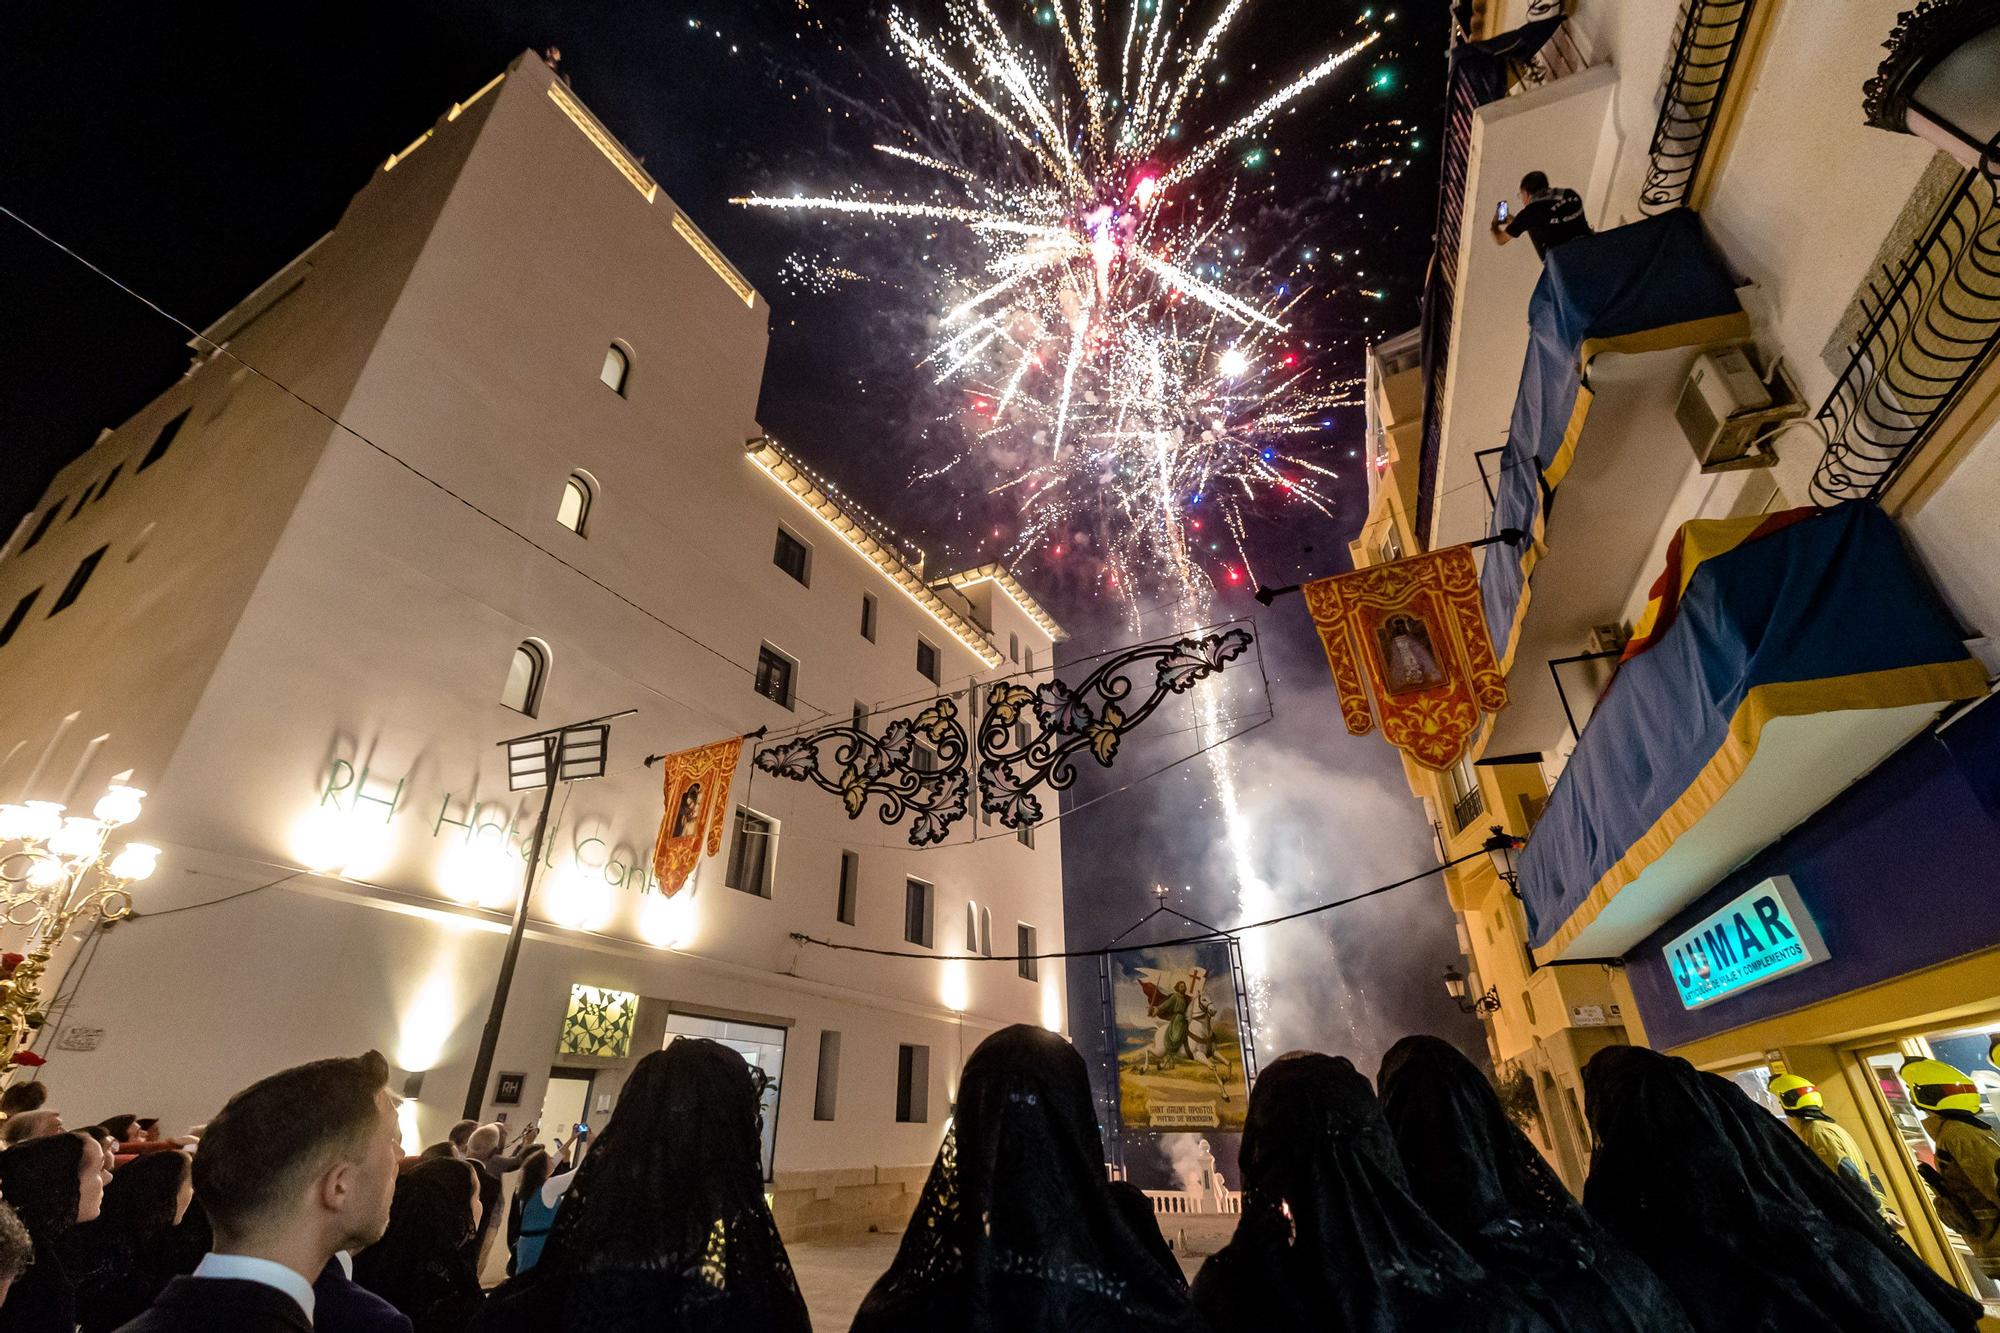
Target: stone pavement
836,1274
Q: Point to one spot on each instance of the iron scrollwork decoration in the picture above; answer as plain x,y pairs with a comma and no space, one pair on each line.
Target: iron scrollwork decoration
919,765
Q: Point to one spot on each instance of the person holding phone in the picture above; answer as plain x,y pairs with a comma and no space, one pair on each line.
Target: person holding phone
1547,216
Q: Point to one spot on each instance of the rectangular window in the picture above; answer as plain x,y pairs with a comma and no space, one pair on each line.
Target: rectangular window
791,555
917,912
163,440
867,617
17,615
42,528
74,587
913,1085
774,676
750,853
81,501
826,1088
1028,657
1025,835
923,758
1026,963
850,888
1013,646
927,661
860,716
1467,802
109,478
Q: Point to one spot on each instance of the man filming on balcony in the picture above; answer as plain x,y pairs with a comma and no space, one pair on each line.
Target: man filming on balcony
1549,216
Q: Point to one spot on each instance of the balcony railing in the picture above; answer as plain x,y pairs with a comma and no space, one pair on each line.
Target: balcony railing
1930,325
1709,36
1466,809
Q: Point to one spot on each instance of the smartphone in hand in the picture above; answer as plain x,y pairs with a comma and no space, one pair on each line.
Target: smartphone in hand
1500,214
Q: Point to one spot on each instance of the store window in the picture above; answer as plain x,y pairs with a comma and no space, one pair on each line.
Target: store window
762,1048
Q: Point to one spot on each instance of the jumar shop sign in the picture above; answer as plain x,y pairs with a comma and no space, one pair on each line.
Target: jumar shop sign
1756,937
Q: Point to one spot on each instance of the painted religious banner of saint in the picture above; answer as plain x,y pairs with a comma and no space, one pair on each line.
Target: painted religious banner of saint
696,788
1179,1039
1413,634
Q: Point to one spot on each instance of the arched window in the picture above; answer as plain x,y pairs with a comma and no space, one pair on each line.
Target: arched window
972,927
579,493
526,675
986,931
617,365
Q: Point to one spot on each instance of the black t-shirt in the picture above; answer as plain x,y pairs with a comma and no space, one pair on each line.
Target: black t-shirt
1550,218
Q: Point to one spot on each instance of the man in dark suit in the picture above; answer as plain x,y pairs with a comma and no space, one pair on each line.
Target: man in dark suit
342,1305
297,1168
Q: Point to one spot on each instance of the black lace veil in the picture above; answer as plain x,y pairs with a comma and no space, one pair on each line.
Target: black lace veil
1019,1228
1697,1191
1477,1175
666,1229
1331,1237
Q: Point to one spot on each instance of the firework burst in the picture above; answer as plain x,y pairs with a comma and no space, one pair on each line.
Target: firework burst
1104,337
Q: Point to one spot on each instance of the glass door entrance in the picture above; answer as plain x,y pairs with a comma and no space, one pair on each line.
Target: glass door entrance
763,1048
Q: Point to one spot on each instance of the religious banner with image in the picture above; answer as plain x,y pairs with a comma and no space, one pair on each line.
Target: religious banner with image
1413,634
696,789
1179,1039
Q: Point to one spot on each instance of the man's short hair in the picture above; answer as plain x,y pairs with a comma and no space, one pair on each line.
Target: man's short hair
485,1141
280,1131
16,1250
460,1132
18,1097
28,1125
1534,183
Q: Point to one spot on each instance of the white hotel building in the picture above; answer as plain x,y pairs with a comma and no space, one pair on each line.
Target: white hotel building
303,639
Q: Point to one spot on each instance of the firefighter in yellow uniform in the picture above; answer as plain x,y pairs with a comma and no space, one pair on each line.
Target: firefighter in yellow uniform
1805,1109
1966,1179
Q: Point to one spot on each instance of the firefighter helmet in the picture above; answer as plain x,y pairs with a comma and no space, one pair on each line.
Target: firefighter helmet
1796,1094
1937,1086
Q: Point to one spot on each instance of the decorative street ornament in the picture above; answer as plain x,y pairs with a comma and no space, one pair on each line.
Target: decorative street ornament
1416,628
695,789
1027,739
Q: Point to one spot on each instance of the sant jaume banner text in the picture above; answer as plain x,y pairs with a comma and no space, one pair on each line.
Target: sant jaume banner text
1179,1039
1412,634
696,790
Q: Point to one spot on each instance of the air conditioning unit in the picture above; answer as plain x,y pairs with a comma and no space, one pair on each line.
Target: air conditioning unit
1727,410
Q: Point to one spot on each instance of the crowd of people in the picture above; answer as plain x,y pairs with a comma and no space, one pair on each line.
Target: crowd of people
1414,1203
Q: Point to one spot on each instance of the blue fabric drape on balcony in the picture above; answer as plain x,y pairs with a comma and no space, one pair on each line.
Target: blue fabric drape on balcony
1826,615
1650,285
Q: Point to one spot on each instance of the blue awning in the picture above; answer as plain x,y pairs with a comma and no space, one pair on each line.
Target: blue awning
1797,662
1652,285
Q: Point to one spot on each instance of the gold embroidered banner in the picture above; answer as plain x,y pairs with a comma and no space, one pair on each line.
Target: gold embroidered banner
696,789
1417,630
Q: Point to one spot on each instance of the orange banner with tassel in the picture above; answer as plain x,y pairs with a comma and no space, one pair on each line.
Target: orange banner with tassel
696,792
1411,633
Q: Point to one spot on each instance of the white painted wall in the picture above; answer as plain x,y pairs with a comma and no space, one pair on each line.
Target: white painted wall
317,603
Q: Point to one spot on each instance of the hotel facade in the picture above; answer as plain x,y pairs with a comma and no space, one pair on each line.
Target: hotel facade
485,460
1732,463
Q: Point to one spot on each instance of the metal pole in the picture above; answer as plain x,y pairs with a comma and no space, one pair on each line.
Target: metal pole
489,1040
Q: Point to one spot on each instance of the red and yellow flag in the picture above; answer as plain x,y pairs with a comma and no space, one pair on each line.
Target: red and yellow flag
696,791
1417,631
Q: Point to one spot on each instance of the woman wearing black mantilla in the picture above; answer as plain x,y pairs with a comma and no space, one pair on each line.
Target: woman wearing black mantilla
1736,1221
1019,1229
666,1229
1331,1238
1482,1181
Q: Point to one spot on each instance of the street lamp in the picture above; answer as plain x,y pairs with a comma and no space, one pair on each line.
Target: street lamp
1455,986
54,869
1941,80
1500,847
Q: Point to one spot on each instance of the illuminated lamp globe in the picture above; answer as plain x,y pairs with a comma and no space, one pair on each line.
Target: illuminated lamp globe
13,822
135,861
40,820
1454,983
119,805
46,872
78,838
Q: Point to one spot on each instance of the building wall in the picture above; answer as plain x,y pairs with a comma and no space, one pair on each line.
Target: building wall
351,599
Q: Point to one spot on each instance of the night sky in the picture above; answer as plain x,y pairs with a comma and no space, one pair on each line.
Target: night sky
193,150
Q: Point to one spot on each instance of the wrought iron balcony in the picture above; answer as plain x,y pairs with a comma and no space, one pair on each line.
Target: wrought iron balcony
1466,809
1931,324
1707,40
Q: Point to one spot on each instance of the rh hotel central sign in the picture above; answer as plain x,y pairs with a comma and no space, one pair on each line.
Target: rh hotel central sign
1758,936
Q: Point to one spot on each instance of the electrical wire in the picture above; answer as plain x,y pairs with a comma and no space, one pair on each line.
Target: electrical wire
1108,950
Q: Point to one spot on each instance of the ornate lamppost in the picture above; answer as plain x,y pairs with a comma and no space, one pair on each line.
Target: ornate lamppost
54,869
